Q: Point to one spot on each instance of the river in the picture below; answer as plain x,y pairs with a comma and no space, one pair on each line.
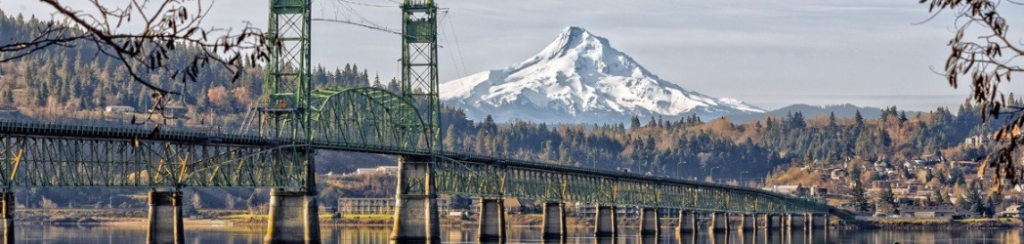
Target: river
346,235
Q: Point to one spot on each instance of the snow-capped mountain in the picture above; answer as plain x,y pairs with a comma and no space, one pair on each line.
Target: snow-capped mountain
580,78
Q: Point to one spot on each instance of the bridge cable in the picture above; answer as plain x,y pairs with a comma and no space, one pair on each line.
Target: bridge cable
371,5
458,47
463,72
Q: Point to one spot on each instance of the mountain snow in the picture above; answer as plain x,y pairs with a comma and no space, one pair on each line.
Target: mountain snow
580,78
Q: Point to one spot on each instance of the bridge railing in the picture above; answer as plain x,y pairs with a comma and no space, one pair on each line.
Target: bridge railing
141,132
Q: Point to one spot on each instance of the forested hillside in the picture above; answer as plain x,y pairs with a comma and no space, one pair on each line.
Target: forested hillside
70,80
694,148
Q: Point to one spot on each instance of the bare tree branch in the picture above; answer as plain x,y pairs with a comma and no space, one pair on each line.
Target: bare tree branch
142,39
986,62
144,47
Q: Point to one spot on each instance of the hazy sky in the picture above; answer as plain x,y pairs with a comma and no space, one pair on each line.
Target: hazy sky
767,53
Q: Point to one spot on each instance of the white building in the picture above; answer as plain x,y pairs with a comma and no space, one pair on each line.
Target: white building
120,109
387,170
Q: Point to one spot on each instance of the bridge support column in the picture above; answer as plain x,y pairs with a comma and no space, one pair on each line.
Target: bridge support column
797,221
7,214
492,220
719,222
805,220
605,222
554,221
416,218
293,218
808,220
787,221
649,221
770,221
165,222
687,222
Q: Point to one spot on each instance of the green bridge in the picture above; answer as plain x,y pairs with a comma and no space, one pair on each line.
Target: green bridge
298,121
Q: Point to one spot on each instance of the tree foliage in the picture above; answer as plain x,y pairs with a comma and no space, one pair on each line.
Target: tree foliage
985,57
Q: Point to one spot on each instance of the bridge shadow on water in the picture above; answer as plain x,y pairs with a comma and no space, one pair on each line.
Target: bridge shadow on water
532,235
381,235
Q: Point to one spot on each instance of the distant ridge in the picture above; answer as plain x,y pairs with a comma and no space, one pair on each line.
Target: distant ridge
809,111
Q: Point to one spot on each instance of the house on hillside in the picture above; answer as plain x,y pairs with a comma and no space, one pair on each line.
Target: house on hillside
976,141
383,170
1012,211
119,109
796,190
931,212
838,174
966,165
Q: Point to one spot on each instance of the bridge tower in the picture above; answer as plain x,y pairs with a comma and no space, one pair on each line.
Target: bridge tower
416,216
288,88
419,65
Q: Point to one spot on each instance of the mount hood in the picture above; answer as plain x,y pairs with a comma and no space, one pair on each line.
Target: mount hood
580,78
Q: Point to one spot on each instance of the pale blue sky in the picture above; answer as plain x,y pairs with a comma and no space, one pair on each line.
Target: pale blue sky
767,53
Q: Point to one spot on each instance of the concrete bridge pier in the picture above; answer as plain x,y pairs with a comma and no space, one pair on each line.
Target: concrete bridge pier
165,220
719,222
554,221
416,218
7,214
787,227
808,221
787,220
687,222
649,221
796,221
605,221
492,220
769,221
747,222
293,218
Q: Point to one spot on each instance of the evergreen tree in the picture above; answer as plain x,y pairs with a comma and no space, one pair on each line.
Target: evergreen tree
991,206
376,82
860,200
394,87
832,120
887,199
858,120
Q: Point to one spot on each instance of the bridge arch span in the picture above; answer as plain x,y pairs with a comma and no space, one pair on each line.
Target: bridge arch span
366,118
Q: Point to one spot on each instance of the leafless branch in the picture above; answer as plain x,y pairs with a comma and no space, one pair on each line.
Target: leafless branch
986,62
142,34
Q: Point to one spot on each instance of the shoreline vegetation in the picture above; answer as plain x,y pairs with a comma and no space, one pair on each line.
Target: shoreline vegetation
227,218
944,224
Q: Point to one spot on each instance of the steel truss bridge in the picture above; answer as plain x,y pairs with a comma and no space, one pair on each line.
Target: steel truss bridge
60,155
299,120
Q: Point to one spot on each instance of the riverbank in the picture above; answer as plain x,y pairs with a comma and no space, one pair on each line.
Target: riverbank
942,224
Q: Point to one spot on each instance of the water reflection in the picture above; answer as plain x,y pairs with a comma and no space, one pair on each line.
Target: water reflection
523,234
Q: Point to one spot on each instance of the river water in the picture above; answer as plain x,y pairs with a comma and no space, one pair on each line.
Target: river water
517,234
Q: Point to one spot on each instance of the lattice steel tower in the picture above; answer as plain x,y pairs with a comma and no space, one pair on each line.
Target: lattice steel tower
288,84
288,91
419,65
